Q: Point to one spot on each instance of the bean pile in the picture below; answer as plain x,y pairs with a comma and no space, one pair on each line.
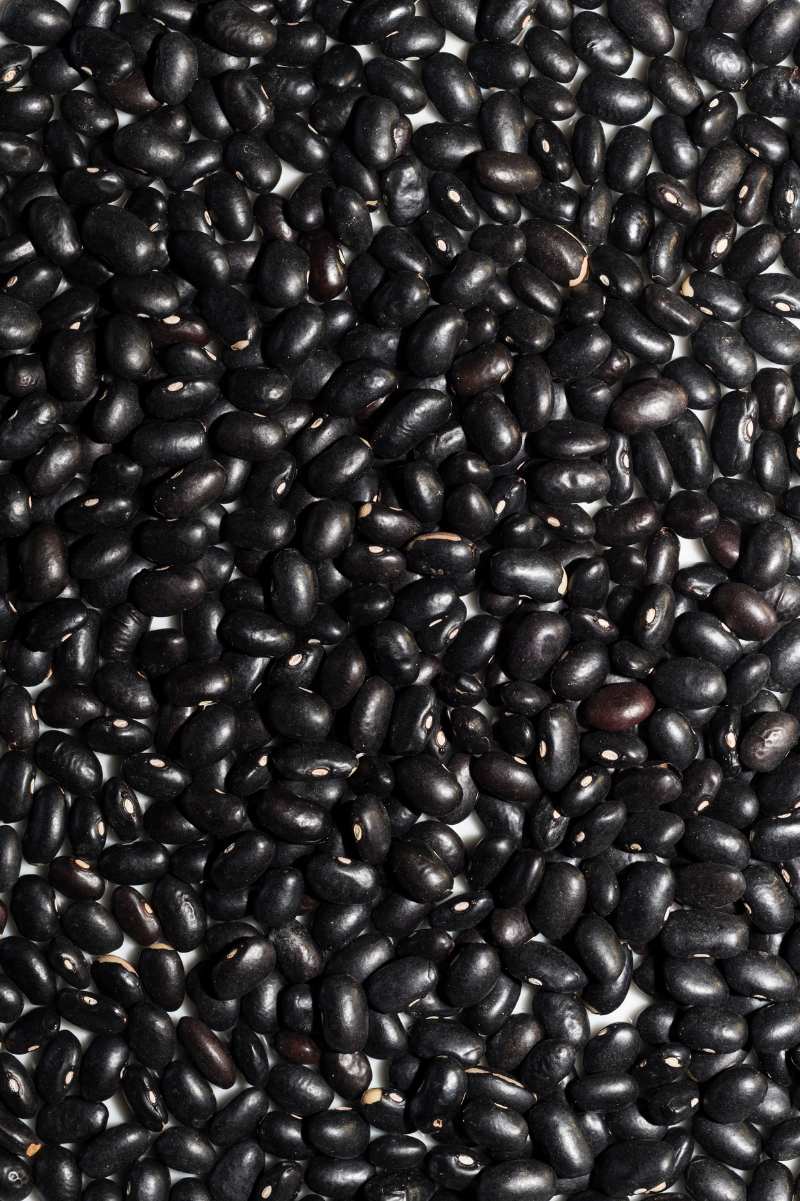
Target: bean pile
341,524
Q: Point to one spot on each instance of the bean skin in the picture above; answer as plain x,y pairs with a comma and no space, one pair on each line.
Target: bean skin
619,707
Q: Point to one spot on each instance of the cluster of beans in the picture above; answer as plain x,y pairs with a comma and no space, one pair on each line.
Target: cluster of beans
365,729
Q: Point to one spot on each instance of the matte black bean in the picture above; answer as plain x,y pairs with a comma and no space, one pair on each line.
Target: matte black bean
115,1150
